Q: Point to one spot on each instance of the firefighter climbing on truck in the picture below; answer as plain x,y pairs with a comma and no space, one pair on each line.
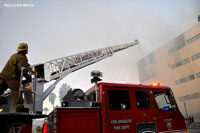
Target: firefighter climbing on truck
10,75
49,71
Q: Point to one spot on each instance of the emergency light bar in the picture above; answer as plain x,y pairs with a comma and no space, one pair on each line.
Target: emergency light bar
156,84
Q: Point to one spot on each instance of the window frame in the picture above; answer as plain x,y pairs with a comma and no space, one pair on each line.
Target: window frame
119,106
147,95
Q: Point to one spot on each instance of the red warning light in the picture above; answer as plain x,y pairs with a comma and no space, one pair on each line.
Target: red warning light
156,84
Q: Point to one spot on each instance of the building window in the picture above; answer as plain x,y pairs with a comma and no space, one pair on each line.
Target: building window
173,50
178,43
198,75
119,100
189,97
142,100
180,63
185,79
196,56
194,38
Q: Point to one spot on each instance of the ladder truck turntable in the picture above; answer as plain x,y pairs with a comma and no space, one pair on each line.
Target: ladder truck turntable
105,108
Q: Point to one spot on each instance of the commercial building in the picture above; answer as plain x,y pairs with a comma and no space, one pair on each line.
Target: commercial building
177,64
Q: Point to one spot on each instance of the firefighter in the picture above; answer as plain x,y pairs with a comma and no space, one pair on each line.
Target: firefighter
10,75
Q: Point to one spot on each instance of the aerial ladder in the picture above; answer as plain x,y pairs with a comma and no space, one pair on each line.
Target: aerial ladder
50,71
56,70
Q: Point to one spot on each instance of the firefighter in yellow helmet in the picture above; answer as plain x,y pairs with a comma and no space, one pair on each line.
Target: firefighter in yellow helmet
10,75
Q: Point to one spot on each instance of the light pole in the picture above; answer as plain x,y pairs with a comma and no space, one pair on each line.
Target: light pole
185,110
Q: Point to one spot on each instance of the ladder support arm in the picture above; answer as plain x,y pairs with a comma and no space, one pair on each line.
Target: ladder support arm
50,89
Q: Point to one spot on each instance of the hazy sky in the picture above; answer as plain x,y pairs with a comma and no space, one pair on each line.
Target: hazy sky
58,28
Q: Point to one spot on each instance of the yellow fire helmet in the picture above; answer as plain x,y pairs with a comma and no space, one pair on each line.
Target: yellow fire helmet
22,47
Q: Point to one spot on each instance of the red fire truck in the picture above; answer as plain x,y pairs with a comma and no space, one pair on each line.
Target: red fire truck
118,108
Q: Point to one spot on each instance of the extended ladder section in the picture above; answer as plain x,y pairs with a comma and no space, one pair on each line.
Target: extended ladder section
56,70
61,67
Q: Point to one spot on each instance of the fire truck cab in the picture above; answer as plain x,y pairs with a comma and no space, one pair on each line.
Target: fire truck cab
120,108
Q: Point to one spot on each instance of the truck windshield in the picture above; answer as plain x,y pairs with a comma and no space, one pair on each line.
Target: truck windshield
164,101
